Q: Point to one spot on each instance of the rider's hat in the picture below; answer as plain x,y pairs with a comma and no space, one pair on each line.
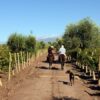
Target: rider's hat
52,46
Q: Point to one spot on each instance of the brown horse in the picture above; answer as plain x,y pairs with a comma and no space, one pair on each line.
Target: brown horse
50,59
62,60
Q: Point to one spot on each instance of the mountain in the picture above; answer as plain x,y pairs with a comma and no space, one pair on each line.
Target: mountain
51,39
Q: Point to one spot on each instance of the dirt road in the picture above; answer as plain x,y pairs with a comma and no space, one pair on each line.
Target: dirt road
42,83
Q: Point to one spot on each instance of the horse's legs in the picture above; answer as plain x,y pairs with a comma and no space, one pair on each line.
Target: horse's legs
62,65
62,59
71,81
50,65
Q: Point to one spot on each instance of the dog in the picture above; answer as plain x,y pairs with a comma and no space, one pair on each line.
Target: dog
71,77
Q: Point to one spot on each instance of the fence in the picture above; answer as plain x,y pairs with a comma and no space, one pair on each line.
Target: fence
21,60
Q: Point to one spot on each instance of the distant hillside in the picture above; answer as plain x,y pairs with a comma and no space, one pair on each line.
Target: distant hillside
48,39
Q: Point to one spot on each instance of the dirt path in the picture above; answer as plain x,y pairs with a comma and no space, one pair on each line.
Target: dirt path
42,83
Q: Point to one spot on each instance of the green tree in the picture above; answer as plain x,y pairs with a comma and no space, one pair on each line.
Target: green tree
30,43
84,34
42,45
16,42
4,57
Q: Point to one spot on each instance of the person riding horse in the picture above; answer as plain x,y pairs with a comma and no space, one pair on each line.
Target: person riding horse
62,54
50,52
50,57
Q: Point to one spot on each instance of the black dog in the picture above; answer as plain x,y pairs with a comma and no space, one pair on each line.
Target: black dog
71,77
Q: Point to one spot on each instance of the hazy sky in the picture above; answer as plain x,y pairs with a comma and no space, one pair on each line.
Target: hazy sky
45,18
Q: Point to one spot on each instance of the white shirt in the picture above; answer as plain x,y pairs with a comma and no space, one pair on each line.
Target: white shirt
62,50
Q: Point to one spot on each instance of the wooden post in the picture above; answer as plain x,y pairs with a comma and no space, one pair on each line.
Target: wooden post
16,65
22,60
27,59
70,58
76,62
83,67
30,61
94,77
90,72
18,62
86,69
99,72
0,82
80,66
9,73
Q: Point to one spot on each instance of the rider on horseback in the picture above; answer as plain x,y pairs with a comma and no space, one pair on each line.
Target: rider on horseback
62,51
50,52
62,54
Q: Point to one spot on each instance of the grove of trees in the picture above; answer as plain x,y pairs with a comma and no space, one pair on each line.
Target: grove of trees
82,43
18,43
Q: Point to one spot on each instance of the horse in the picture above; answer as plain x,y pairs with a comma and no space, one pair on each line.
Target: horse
62,60
50,59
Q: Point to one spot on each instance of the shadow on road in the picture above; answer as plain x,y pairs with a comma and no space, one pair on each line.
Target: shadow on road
64,82
94,87
47,68
42,67
92,82
54,62
54,68
64,98
93,94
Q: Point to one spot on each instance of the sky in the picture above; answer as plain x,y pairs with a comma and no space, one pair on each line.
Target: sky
44,18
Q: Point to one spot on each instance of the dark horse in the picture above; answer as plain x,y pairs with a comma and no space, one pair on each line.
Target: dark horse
50,59
62,60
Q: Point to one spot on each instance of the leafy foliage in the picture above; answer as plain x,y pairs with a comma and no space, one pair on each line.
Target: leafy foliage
30,43
18,42
4,57
81,35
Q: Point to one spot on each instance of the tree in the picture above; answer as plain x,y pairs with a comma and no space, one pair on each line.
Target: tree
42,45
16,42
85,32
4,57
30,43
